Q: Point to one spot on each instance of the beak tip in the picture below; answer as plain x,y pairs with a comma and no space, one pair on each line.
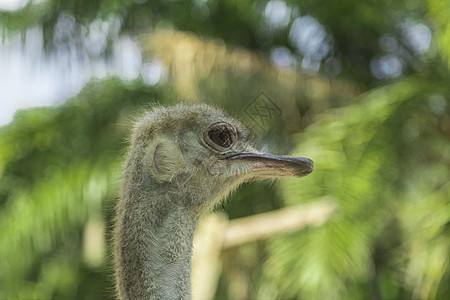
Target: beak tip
307,168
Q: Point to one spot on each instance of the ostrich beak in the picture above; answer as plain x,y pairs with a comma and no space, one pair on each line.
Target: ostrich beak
264,165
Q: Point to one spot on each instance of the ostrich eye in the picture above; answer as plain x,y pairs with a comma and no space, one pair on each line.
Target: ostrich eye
219,136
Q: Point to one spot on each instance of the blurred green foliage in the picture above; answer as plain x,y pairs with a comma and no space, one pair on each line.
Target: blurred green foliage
381,148
394,161
59,167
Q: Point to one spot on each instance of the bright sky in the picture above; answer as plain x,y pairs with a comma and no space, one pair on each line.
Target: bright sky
29,77
11,5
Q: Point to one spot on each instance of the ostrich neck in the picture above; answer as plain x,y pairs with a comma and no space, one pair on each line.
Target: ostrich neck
153,246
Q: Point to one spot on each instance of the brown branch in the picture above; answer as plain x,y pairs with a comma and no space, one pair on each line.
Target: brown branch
215,233
265,225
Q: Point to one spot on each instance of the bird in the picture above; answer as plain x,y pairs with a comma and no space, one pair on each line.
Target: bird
182,161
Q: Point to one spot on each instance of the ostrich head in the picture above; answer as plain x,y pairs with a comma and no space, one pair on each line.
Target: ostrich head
203,153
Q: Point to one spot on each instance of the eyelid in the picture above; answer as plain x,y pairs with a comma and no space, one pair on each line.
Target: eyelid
220,126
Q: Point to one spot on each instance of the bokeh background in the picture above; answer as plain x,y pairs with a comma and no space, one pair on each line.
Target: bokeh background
361,87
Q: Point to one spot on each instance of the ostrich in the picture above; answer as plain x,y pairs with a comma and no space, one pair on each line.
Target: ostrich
182,161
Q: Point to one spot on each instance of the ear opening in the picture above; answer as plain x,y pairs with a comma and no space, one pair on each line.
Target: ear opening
166,159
